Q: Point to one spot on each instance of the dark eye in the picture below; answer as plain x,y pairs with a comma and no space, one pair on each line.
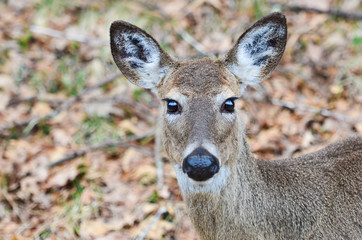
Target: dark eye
228,106
172,106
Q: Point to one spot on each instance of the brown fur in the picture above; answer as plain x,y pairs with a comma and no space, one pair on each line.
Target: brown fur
315,196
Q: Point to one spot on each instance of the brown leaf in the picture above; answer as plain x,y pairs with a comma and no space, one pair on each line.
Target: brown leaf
145,172
88,196
130,160
93,228
359,127
18,151
308,139
61,137
62,176
130,126
314,52
157,230
41,109
7,86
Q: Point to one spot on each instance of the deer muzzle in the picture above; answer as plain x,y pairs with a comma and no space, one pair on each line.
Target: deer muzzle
200,165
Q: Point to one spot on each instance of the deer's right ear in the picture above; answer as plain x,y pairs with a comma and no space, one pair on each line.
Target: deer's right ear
138,56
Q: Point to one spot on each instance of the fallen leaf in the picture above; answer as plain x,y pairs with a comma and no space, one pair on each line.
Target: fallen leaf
62,176
146,172
158,229
93,228
61,137
41,109
7,86
359,127
18,151
130,126
314,52
330,125
131,159
88,196
149,208
123,235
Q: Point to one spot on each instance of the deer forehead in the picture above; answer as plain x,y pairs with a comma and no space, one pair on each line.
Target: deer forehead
199,78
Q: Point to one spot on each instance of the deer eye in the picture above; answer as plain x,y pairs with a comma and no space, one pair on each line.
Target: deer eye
173,107
228,106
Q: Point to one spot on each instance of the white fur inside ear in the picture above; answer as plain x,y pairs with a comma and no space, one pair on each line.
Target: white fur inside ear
143,56
253,52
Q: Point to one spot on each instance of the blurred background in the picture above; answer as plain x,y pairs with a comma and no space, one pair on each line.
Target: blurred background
77,141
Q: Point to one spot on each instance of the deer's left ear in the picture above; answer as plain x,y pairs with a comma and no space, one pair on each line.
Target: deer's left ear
259,50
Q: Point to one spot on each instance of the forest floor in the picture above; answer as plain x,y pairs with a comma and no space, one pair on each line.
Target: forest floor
77,141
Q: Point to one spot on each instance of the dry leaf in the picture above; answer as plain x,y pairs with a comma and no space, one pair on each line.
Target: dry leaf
62,176
123,235
93,228
330,125
308,139
7,86
149,208
41,109
128,125
28,186
321,4
18,151
314,52
61,137
359,127
56,153
130,159
266,140
88,196
146,170
157,230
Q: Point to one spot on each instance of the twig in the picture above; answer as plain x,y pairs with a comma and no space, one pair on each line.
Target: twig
331,11
107,144
31,122
64,35
179,30
101,83
157,152
16,101
302,107
191,41
157,216
137,108
306,108
9,199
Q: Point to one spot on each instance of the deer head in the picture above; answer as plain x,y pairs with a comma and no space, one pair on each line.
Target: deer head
202,130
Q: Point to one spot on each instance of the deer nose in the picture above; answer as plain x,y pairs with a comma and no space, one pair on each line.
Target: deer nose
200,165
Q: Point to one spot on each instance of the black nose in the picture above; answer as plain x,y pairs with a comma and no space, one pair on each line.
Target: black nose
200,165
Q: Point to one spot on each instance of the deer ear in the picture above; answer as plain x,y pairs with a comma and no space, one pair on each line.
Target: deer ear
138,56
259,50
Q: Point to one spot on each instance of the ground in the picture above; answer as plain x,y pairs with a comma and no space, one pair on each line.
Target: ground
62,98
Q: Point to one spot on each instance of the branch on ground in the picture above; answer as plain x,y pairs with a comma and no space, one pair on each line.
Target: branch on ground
31,122
107,144
155,218
68,36
299,107
331,11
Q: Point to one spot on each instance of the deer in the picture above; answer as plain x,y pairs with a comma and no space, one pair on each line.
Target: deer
229,193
